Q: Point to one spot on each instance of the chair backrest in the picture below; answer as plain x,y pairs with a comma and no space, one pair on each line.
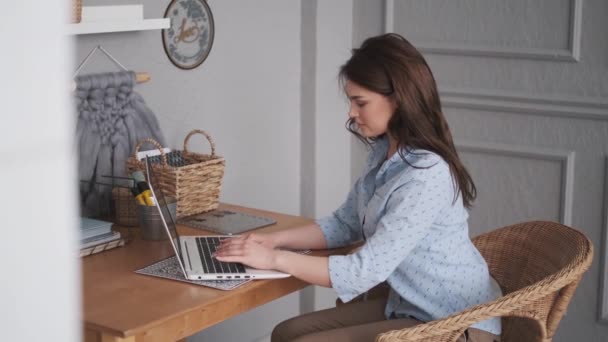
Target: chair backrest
547,257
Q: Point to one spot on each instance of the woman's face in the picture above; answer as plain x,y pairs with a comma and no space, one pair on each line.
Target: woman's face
371,111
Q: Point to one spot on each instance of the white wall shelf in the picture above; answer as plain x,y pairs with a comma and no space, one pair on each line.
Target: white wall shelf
100,27
119,18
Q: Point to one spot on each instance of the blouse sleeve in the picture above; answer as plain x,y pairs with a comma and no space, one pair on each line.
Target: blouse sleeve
342,227
410,211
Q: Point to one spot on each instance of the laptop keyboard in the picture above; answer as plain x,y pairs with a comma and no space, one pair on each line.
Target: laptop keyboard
206,247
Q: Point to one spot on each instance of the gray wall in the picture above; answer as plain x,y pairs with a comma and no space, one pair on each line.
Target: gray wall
246,94
40,288
524,85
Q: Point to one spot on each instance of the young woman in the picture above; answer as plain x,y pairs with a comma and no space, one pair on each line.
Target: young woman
408,207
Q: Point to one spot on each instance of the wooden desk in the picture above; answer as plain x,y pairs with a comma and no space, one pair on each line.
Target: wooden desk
120,305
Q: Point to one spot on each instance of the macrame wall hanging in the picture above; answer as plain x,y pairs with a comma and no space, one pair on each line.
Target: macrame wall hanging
112,118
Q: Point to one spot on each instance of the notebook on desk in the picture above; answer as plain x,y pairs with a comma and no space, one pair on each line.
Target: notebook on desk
194,253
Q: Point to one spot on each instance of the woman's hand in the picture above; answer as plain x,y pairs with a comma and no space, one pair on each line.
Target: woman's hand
257,251
254,250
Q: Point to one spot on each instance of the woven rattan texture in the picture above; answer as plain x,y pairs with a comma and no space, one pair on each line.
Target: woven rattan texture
538,266
196,186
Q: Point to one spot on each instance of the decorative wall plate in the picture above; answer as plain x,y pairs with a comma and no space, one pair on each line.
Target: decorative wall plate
189,39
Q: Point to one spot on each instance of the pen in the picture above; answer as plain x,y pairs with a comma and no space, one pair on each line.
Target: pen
146,193
139,197
143,188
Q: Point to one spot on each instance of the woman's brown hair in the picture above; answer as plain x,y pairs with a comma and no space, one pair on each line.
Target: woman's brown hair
391,66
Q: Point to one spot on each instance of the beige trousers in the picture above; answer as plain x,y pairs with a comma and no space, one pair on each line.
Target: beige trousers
353,322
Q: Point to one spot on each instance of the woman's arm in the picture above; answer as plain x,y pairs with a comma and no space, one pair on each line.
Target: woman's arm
311,269
305,237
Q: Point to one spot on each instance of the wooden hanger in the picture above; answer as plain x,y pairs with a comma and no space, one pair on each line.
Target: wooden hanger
140,77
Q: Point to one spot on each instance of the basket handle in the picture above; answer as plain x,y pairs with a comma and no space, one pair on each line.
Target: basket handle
152,142
206,136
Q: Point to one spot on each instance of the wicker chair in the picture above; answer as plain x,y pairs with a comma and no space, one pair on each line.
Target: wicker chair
538,266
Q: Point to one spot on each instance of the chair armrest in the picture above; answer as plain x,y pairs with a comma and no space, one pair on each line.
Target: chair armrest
453,326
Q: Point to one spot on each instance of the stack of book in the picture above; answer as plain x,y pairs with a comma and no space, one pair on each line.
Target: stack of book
97,236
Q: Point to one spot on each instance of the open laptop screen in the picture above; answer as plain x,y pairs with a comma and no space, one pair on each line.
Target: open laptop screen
167,215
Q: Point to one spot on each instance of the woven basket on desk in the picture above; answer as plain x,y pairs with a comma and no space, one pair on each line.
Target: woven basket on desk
76,14
196,185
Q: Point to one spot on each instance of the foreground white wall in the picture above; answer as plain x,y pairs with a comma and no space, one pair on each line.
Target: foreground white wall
39,290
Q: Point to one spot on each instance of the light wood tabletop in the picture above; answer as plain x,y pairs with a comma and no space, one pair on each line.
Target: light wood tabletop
120,305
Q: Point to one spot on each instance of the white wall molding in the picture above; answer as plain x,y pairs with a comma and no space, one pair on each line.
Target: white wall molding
569,54
504,101
389,16
333,39
308,119
566,159
603,306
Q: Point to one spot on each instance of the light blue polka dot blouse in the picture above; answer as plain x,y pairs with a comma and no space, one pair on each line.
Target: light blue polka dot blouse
416,238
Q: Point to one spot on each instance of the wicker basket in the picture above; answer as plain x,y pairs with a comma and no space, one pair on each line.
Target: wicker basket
196,185
76,14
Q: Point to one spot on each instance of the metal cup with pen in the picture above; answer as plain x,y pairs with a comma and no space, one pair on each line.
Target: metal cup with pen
150,220
125,201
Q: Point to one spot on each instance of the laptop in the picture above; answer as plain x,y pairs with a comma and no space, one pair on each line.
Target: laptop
194,253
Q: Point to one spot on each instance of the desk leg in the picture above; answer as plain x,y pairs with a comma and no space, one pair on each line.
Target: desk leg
90,336
112,338
96,336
